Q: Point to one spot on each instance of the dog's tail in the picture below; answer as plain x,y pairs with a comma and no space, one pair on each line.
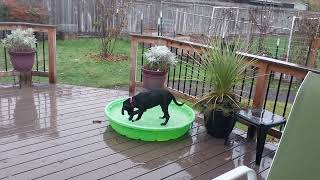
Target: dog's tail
176,102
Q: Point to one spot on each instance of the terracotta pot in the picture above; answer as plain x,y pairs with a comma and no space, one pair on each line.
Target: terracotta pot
153,79
217,124
22,61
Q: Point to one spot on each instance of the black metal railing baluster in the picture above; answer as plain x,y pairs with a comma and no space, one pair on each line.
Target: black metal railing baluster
204,82
251,87
37,55
168,78
287,99
242,86
277,94
142,58
185,73
267,93
5,53
198,75
190,85
180,69
174,70
43,53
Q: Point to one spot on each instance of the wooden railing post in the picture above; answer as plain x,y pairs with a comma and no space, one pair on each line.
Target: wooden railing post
133,66
52,55
261,86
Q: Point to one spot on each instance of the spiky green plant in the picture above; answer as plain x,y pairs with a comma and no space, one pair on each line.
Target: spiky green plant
223,68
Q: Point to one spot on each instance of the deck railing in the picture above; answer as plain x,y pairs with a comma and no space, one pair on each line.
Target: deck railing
274,87
45,60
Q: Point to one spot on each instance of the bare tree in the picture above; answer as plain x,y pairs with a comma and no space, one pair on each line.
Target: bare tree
111,19
260,19
308,29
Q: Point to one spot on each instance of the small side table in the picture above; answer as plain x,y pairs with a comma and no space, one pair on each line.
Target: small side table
263,120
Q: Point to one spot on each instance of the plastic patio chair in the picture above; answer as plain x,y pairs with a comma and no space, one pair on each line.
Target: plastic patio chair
297,155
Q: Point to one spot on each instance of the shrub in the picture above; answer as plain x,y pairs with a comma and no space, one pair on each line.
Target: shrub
159,58
20,40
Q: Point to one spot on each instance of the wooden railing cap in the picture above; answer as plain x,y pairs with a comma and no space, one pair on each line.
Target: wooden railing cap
27,24
141,38
35,26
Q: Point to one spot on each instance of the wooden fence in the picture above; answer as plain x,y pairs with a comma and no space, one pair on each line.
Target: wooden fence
261,91
48,31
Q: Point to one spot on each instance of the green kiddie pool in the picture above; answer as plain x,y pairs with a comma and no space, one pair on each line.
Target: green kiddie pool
148,128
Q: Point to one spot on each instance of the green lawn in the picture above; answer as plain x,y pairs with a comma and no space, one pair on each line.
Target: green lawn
77,66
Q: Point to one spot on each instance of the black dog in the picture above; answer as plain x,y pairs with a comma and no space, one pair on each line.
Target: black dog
147,100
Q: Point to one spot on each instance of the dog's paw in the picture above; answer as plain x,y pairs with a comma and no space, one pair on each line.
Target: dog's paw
163,124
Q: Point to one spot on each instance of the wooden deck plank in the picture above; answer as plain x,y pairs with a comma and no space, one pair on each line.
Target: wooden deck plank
90,163
214,159
62,96
51,145
63,116
62,142
247,159
175,147
160,161
263,175
61,105
64,122
71,154
66,106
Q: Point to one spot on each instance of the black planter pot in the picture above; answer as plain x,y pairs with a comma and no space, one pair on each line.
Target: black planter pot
217,124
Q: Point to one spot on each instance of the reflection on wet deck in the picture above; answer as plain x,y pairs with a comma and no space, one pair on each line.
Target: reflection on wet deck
60,132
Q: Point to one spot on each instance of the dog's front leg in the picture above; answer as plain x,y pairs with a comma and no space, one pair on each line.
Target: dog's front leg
140,114
133,113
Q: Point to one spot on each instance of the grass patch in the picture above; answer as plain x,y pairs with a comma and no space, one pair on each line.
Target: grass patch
77,66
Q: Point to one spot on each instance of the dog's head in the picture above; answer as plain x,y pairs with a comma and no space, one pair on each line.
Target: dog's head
126,106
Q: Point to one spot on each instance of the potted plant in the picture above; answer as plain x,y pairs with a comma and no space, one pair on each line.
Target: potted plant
154,72
21,45
223,68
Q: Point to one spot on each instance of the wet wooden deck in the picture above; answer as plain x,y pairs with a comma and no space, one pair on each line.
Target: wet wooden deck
48,132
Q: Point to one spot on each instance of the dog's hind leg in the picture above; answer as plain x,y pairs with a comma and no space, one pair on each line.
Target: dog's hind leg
163,110
166,115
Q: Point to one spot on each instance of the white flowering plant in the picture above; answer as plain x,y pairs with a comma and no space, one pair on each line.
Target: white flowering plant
20,40
159,58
